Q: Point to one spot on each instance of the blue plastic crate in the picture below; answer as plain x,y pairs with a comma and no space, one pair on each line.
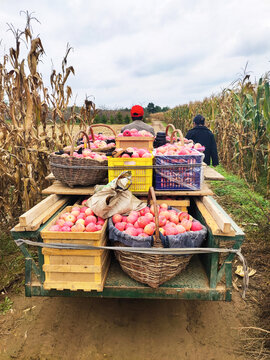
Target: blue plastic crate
187,176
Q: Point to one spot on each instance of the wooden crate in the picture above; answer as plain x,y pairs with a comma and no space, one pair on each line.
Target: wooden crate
140,142
75,269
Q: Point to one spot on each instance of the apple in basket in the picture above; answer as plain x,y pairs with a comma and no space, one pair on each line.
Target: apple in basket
196,226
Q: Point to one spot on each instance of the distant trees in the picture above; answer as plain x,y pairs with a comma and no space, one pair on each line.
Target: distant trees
152,108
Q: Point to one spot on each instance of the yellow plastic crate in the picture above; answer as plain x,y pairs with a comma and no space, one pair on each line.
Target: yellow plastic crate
141,178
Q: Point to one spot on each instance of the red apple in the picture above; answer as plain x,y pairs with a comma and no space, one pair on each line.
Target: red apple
68,223
144,211
65,228
71,218
81,216
186,223
143,221
55,228
183,215
174,218
124,218
149,229
120,226
90,219
139,231
180,229
116,218
162,220
163,206
83,209
75,213
143,234
131,219
88,212
91,227
196,226
76,208
131,231
165,213
151,216
60,222
80,221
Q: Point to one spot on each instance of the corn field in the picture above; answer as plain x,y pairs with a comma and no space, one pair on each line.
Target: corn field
33,121
240,119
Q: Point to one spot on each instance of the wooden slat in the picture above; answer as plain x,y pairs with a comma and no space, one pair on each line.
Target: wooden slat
210,221
223,221
46,215
37,210
212,174
59,188
184,202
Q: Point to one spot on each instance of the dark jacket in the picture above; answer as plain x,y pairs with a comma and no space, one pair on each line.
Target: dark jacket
201,134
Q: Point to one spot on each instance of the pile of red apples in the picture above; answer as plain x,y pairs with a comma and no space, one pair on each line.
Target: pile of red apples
79,219
88,154
135,132
142,223
178,149
136,153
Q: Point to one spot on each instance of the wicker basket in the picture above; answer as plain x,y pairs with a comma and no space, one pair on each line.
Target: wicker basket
152,270
78,171
91,132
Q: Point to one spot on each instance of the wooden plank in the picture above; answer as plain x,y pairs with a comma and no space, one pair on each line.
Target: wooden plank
59,188
212,174
50,177
184,202
37,210
221,219
41,219
209,174
18,228
210,221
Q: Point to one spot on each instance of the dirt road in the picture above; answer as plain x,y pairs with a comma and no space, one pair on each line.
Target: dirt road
84,328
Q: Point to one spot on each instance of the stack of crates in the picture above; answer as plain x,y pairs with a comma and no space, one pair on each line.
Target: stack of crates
75,269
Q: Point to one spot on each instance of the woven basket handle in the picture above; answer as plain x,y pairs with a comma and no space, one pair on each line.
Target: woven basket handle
152,196
90,129
74,139
168,127
179,132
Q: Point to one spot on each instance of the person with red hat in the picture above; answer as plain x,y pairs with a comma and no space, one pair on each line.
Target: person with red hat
136,113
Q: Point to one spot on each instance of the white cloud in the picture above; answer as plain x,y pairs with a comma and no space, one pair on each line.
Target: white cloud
128,52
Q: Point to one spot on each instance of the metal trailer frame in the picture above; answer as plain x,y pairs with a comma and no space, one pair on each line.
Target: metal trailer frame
204,278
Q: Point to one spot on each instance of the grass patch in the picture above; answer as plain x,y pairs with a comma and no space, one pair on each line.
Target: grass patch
246,206
11,264
5,305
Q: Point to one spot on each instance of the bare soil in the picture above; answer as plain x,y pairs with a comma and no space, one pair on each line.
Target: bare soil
85,328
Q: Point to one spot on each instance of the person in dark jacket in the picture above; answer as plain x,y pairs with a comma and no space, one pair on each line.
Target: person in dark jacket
136,113
201,134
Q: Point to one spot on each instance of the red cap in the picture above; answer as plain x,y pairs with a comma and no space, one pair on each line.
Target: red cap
136,111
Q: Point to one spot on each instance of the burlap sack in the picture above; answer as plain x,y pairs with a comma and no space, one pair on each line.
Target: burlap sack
114,198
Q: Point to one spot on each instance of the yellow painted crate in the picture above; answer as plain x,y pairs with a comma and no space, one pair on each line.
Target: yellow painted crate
75,269
141,178
140,142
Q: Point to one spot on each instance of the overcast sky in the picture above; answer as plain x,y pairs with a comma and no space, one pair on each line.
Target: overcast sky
128,52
